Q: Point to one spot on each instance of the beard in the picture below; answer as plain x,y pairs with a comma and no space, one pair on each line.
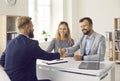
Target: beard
86,31
31,35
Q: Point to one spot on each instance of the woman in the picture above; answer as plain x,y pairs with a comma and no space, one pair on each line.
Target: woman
63,38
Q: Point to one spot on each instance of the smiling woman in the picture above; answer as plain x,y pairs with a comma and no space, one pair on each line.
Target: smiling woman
11,2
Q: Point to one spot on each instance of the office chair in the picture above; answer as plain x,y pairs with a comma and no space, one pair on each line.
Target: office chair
3,75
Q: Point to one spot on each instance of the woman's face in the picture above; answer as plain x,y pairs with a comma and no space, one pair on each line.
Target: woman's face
63,30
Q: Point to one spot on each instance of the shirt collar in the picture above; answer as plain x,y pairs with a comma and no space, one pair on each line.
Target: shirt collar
24,35
91,36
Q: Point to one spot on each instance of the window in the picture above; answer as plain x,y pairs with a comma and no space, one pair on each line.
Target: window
40,11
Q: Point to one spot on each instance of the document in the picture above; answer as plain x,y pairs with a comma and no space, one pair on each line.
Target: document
56,61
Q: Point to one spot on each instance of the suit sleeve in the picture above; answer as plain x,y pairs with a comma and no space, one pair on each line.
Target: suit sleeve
74,48
41,54
2,59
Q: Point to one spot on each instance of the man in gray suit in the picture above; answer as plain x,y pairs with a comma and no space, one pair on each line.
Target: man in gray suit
92,45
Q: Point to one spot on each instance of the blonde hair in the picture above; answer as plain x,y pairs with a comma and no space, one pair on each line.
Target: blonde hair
68,35
23,20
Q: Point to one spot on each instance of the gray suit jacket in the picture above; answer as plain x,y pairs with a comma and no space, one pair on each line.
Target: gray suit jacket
97,47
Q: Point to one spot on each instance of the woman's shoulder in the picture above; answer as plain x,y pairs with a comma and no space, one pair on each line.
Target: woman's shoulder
71,42
54,40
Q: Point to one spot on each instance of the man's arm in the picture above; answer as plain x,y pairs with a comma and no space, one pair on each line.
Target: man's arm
2,59
71,50
65,52
41,54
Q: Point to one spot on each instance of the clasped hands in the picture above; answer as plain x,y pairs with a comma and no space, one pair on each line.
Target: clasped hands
62,52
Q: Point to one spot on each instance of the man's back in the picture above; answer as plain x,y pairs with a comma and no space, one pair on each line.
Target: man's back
20,58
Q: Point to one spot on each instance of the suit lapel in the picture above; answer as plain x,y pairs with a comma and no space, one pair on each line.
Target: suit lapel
92,42
83,44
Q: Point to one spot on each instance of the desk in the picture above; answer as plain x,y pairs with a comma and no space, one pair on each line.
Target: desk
69,71
3,75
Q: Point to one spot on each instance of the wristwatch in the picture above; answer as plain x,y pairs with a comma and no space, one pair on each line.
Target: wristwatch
11,2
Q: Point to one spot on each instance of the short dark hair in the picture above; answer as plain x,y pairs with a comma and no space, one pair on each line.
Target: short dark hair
86,18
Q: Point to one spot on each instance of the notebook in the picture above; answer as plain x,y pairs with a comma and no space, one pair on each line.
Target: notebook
56,61
90,65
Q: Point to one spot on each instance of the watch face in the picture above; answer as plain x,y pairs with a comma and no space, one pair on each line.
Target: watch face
11,2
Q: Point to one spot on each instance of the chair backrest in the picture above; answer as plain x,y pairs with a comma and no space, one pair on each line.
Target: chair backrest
3,75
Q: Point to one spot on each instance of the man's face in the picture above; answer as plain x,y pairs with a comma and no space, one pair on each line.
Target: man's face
85,27
31,30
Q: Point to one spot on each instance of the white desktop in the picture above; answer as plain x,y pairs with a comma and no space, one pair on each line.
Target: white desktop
69,71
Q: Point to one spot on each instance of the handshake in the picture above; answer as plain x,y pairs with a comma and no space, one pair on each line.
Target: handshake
62,52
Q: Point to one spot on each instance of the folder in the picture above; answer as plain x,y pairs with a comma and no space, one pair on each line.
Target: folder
56,61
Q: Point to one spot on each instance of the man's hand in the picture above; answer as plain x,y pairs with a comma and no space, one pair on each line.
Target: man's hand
62,52
77,57
64,55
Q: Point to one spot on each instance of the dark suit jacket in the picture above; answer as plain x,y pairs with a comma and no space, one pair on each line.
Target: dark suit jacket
19,58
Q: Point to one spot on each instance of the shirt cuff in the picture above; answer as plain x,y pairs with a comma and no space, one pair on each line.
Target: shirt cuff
66,52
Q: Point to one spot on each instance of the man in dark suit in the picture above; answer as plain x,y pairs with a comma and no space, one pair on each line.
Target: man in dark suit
19,57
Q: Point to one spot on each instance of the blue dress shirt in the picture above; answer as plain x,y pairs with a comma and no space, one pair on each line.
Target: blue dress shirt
87,46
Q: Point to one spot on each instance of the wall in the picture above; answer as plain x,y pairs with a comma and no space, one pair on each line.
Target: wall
76,32
70,14
57,14
102,12
20,8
